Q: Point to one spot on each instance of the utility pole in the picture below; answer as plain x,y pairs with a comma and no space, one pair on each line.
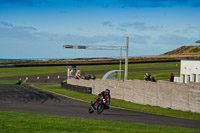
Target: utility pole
120,63
126,60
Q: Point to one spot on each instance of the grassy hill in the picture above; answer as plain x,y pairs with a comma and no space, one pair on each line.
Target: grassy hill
185,50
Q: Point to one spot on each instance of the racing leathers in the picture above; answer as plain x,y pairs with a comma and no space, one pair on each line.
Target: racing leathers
103,95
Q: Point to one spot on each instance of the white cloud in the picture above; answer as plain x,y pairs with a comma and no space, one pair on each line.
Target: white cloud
5,24
108,23
138,25
25,2
159,3
173,40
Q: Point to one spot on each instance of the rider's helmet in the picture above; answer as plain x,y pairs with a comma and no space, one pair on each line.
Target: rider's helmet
108,91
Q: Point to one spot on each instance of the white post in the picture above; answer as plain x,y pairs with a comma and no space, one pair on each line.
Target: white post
126,60
120,64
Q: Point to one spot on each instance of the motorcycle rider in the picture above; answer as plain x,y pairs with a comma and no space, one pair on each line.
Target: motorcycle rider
103,95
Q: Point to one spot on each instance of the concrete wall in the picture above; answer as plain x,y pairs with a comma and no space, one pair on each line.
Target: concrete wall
165,94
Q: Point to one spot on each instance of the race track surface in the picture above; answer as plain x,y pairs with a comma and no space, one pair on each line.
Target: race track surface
24,98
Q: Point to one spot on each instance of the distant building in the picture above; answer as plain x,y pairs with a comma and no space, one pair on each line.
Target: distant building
190,71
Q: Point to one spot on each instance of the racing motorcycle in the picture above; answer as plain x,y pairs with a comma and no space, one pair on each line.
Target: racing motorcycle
101,105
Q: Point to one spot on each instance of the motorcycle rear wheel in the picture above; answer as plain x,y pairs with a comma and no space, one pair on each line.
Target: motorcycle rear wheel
90,110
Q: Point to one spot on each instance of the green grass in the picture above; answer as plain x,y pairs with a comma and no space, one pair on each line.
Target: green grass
158,75
57,88
119,103
8,81
19,71
12,122
130,66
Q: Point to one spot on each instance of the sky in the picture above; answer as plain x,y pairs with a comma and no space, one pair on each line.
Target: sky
40,28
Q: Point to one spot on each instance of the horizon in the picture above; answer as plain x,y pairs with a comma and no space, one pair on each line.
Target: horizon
39,29
7,59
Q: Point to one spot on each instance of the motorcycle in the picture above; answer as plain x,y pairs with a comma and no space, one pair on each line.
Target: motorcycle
101,105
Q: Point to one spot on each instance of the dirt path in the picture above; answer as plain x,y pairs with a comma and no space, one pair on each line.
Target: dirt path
24,98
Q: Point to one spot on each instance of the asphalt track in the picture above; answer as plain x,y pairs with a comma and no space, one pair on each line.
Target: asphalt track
24,98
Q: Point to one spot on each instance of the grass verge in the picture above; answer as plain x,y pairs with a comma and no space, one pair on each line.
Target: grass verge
40,123
19,71
158,75
8,81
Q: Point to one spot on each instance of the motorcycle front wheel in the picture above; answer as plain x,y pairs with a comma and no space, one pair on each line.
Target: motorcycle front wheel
100,109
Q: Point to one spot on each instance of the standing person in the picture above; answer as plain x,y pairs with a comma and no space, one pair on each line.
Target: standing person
147,77
19,82
93,77
71,72
171,77
152,79
78,74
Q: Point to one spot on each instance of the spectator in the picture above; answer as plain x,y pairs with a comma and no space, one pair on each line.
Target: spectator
78,74
70,73
93,77
171,77
152,79
87,77
19,82
147,77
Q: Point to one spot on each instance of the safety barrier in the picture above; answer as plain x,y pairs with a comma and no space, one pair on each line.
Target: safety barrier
76,87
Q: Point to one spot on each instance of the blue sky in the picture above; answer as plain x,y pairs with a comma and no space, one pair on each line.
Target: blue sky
39,28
